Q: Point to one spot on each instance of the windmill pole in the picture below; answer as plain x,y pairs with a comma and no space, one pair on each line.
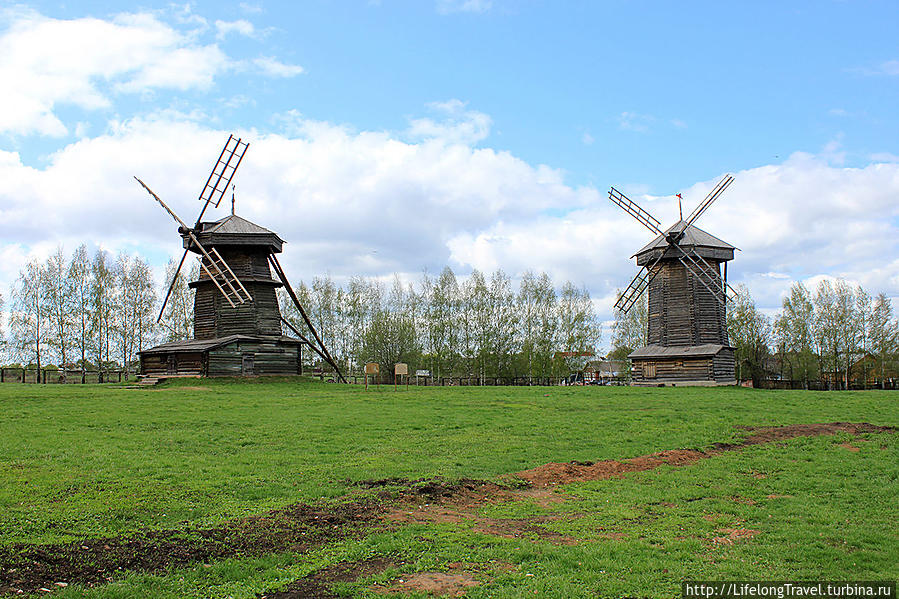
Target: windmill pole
273,260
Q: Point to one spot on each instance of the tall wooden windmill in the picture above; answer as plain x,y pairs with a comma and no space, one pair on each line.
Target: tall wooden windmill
688,294
237,320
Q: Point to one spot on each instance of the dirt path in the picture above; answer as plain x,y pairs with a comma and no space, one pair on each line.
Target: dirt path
300,527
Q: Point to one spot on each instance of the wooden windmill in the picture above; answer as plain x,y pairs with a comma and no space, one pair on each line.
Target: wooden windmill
688,294
237,320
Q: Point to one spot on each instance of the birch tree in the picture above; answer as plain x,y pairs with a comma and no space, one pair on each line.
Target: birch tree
102,307
79,276
28,316
56,295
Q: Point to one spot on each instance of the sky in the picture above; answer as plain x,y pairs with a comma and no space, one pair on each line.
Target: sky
399,137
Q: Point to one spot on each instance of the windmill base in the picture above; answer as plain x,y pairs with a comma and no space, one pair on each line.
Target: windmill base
706,365
235,355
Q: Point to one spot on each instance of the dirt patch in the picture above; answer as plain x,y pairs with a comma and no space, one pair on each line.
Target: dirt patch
769,434
568,472
850,447
729,536
295,528
317,585
452,583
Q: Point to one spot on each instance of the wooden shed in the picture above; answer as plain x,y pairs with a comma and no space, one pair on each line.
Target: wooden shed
234,355
700,365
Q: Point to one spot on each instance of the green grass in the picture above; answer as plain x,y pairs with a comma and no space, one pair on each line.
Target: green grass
93,461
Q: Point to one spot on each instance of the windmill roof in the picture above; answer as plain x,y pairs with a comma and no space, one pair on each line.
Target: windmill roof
693,236
659,351
233,224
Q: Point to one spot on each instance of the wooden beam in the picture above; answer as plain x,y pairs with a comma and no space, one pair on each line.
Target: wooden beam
324,350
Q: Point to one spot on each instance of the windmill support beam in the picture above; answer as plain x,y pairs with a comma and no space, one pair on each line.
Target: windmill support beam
324,350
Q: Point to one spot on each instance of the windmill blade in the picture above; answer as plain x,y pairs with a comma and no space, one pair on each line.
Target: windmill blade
171,286
713,195
643,217
702,270
221,274
161,203
218,270
222,173
183,256
637,286
326,355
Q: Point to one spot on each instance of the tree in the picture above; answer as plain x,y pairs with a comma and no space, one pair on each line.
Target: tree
28,317
502,321
579,331
884,333
79,276
56,295
390,339
630,328
795,335
441,322
140,278
178,319
749,332
102,307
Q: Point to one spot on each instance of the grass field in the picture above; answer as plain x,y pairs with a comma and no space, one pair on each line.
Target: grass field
243,489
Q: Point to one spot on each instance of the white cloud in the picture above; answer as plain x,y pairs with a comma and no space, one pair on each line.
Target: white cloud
458,125
888,67
371,203
86,62
446,7
884,157
587,139
240,27
678,124
275,68
57,61
633,121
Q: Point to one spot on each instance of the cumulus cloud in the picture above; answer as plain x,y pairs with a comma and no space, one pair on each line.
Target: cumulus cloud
371,202
633,121
275,68
85,62
446,7
456,125
240,27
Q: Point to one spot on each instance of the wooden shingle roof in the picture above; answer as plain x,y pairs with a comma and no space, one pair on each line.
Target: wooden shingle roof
693,236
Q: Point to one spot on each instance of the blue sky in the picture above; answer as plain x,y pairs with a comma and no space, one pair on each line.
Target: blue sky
497,125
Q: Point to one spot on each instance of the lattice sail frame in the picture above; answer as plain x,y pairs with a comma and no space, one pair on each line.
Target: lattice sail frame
691,260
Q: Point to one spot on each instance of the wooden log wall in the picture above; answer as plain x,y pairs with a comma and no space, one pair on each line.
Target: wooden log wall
682,311
675,371
267,357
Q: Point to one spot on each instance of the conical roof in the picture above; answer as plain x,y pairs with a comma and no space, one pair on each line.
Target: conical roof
235,225
693,237
234,230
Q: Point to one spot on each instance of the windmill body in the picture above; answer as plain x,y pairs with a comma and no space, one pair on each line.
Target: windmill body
237,318
246,248
684,275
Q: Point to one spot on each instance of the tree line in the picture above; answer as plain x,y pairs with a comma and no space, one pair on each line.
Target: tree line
97,312
479,326
837,333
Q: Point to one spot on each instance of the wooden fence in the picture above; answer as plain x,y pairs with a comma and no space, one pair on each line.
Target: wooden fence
827,385
456,381
31,375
